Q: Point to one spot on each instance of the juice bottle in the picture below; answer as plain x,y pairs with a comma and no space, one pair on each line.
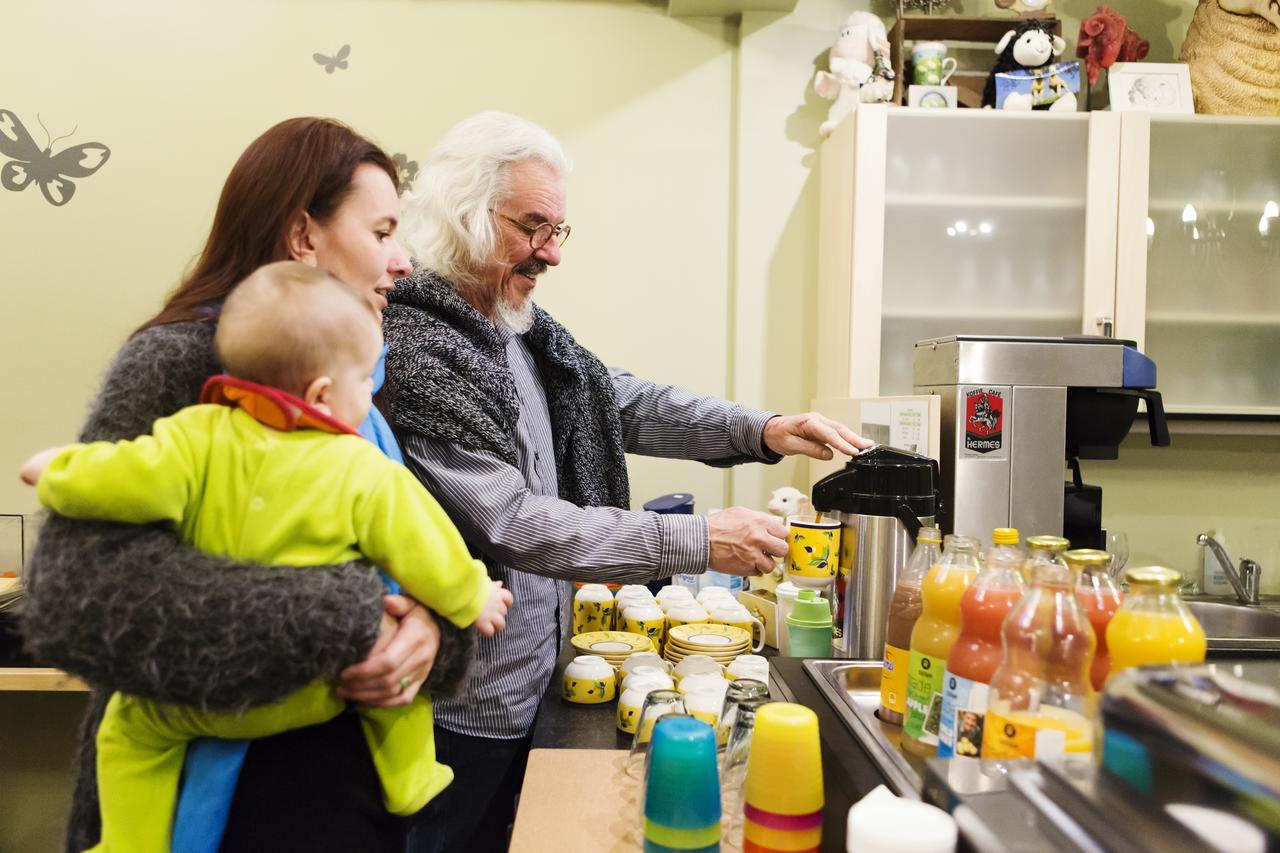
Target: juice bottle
977,652
1040,548
1005,542
1042,704
1154,625
931,640
904,610
1100,598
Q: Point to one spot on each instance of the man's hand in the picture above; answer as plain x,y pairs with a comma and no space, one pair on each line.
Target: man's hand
34,467
493,618
744,542
401,658
812,434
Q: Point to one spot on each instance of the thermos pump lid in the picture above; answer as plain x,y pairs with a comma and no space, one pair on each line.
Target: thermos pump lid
879,478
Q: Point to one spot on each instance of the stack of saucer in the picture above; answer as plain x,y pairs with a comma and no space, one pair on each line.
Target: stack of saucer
721,643
613,646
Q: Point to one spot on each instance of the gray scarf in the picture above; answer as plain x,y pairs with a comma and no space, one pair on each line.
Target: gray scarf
448,379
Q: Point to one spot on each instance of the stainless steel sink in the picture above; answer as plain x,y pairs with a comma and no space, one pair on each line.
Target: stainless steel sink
1235,627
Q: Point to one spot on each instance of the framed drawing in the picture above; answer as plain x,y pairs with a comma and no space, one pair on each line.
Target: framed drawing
1152,87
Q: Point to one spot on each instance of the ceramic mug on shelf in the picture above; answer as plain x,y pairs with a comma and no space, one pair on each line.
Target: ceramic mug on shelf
593,607
930,65
685,614
648,620
589,680
739,617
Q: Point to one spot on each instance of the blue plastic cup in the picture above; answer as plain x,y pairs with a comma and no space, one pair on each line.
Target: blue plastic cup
682,787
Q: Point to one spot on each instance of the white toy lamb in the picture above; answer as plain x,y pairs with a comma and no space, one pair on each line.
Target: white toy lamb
861,71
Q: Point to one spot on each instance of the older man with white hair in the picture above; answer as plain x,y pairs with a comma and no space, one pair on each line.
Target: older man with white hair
520,433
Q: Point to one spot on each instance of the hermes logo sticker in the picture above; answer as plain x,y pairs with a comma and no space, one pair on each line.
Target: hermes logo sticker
983,420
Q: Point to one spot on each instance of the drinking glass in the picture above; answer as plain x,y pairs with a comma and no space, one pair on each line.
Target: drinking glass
733,768
738,690
657,704
1118,548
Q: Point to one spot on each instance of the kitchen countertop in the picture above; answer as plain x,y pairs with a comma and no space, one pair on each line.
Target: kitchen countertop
847,772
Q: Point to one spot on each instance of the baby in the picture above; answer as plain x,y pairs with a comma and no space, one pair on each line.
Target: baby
268,468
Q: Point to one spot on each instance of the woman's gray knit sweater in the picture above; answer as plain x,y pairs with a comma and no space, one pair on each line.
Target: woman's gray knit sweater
135,609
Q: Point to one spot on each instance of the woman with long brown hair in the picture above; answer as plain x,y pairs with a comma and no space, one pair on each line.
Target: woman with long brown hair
134,609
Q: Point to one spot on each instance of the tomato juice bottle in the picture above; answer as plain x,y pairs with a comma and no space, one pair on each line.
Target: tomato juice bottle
1100,598
977,652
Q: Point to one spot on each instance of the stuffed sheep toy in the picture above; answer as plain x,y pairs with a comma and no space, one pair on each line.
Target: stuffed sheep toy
861,71
787,501
1029,46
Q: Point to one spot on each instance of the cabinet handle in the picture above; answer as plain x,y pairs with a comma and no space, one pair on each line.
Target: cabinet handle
1105,327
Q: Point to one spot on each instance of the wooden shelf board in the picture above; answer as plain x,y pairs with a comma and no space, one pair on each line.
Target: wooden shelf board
39,679
985,202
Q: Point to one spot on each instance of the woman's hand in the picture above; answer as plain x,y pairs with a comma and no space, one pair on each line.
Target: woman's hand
400,661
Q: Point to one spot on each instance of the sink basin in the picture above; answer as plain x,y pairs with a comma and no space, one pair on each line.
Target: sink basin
1234,627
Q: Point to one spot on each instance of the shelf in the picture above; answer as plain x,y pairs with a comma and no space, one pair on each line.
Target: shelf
1004,317
725,8
985,202
1192,318
1239,208
34,679
1227,413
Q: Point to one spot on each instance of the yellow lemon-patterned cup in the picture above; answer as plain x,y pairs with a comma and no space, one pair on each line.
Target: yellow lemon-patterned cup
648,620
685,614
740,617
589,680
813,551
593,607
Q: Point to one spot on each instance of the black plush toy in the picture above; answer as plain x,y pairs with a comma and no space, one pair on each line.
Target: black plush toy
1030,45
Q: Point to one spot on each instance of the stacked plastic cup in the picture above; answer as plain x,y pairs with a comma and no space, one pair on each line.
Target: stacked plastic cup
682,788
782,808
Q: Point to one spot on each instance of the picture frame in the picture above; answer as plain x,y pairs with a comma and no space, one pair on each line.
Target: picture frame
944,97
1154,87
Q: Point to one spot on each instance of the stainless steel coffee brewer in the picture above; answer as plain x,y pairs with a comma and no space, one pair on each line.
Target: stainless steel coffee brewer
882,498
1013,409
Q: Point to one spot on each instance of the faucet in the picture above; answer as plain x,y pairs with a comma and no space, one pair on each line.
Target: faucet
1246,581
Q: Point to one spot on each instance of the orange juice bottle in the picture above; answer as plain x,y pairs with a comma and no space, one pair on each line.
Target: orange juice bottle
904,610
931,640
1100,598
1154,625
977,652
1042,704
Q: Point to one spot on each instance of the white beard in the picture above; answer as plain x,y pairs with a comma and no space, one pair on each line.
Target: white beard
518,320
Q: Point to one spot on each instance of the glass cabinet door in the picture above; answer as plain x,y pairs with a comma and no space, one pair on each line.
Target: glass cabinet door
984,228
1212,320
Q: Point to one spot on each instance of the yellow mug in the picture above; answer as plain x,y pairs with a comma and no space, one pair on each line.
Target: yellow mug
589,680
813,551
739,617
685,614
593,607
647,620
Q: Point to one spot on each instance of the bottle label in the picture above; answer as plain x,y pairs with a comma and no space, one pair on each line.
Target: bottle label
893,679
924,697
964,709
1035,735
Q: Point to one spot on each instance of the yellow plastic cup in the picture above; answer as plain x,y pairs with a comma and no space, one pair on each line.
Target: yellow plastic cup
784,770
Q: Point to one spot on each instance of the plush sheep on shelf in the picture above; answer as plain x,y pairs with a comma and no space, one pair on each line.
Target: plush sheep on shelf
1027,47
787,501
861,71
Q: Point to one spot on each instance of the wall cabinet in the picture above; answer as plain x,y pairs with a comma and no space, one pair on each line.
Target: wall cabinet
938,222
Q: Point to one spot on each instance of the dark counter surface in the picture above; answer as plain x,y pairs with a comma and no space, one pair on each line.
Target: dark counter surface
847,772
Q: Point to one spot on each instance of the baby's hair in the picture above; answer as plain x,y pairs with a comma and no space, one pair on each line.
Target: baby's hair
288,323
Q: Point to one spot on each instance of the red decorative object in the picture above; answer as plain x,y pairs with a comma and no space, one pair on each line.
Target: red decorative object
1105,38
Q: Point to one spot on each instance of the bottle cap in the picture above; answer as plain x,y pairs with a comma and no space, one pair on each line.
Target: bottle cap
1048,543
1153,577
956,542
1004,536
883,823
682,789
1086,559
810,611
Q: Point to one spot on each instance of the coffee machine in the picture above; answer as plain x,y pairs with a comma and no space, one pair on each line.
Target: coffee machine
882,498
1014,408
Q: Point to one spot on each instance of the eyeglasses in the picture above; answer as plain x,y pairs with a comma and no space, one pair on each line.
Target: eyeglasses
539,236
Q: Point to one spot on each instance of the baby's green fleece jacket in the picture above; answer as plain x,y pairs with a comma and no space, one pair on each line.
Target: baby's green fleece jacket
236,487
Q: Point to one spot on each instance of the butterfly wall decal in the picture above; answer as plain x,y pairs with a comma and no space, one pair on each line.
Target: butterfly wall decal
338,60
53,172
406,171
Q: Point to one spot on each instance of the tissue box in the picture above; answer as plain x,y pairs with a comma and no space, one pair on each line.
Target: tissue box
763,605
